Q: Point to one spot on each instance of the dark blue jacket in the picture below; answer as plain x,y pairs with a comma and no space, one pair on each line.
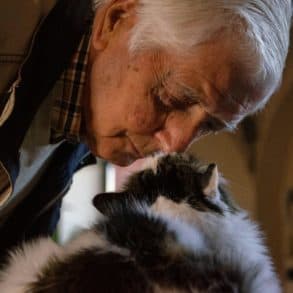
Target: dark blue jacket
53,47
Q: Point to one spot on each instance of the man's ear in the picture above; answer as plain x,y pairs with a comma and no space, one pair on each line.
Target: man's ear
106,203
109,19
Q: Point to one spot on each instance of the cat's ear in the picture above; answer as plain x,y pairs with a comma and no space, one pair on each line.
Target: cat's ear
106,203
211,179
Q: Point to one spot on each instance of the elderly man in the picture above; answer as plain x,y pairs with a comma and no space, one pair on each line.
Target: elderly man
126,78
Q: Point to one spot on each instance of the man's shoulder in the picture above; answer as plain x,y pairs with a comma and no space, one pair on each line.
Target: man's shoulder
18,21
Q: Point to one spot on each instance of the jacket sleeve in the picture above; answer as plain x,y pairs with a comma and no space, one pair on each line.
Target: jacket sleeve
5,185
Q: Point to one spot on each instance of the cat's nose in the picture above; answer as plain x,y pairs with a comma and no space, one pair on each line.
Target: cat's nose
180,130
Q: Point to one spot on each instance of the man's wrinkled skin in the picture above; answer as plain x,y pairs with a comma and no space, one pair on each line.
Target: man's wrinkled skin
157,100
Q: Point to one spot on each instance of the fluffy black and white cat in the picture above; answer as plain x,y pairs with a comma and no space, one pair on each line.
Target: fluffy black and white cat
171,229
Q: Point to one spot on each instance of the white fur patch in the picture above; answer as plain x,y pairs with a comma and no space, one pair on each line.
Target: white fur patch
179,219
152,162
236,240
164,206
188,238
232,237
25,263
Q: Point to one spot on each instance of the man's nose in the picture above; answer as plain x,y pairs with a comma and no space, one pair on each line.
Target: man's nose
174,140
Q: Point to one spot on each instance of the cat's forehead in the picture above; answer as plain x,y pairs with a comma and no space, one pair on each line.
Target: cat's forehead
175,160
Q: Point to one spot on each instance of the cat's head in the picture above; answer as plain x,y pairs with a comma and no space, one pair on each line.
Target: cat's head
174,182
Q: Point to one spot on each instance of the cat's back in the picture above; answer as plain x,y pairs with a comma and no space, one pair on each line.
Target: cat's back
131,252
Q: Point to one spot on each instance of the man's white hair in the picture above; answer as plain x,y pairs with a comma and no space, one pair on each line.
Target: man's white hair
260,26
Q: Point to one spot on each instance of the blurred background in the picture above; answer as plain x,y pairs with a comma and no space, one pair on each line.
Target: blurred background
257,160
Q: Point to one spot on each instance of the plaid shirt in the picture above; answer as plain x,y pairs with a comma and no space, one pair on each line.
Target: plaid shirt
66,111
67,108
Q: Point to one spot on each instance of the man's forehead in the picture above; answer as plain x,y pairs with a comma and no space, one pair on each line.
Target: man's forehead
211,76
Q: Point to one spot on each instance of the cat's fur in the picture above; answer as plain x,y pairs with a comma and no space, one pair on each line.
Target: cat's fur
171,229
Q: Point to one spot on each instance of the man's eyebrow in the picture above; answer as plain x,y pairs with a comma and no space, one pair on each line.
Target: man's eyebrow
180,99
